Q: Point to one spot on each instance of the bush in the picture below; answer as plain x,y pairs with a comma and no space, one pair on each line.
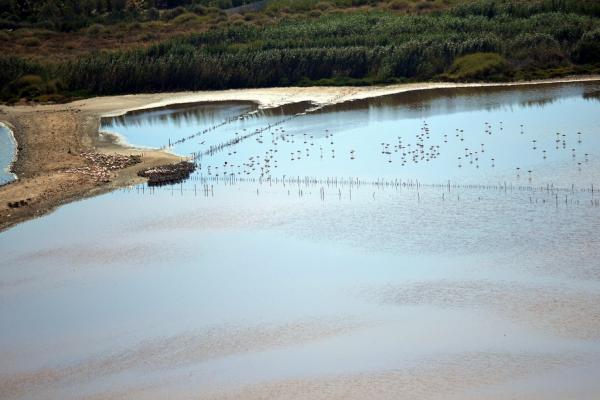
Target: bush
28,86
149,37
168,15
16,74
54,86
425,5
324,5
236,17
95,29
152,14
8,24
30,42
198,9
587,50
134,27
186,19
537,50
32,87
477,66
52,98
27,80
399,5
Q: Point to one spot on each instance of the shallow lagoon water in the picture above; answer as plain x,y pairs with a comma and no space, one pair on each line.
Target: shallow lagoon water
7,154
368,286
468,135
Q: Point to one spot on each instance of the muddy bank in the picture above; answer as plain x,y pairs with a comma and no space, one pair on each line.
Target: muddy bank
61,159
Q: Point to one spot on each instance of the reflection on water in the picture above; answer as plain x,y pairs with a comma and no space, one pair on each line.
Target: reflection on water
532,135
592,94
336,277
7,153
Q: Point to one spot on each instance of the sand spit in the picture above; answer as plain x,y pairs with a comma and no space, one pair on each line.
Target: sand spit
71,130
63,161
274,97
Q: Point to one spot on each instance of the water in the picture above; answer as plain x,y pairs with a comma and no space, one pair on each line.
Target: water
324,278
7,154
468,135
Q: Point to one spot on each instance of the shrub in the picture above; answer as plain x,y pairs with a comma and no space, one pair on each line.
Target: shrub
54,86
43,34
24,32
168,15
134,27
236,17
95,29
587,49
198,9
324,5
152,14
52,98
537,50
30,42
477,66
425,5
28,86
186,19
149,36
27,80
399,5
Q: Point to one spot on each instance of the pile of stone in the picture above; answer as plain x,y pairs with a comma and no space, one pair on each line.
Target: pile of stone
168,174
17,204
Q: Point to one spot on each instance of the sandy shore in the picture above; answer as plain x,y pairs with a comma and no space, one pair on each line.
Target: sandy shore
52,138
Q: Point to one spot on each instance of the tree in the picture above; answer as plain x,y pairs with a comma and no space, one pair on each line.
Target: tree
587,49
118,6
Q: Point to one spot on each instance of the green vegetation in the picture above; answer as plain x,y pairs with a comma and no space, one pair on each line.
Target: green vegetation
491,66
307,42
69,15
33,87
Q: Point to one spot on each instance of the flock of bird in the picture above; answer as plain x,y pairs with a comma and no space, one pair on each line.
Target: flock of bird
276,145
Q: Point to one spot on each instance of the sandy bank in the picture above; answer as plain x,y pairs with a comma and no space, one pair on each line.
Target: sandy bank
52,139
51,165
273,97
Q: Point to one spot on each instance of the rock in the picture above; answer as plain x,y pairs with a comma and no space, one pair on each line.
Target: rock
17,204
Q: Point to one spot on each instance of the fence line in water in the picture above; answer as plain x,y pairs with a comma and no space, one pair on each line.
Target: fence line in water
384,183
231,119
203,185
